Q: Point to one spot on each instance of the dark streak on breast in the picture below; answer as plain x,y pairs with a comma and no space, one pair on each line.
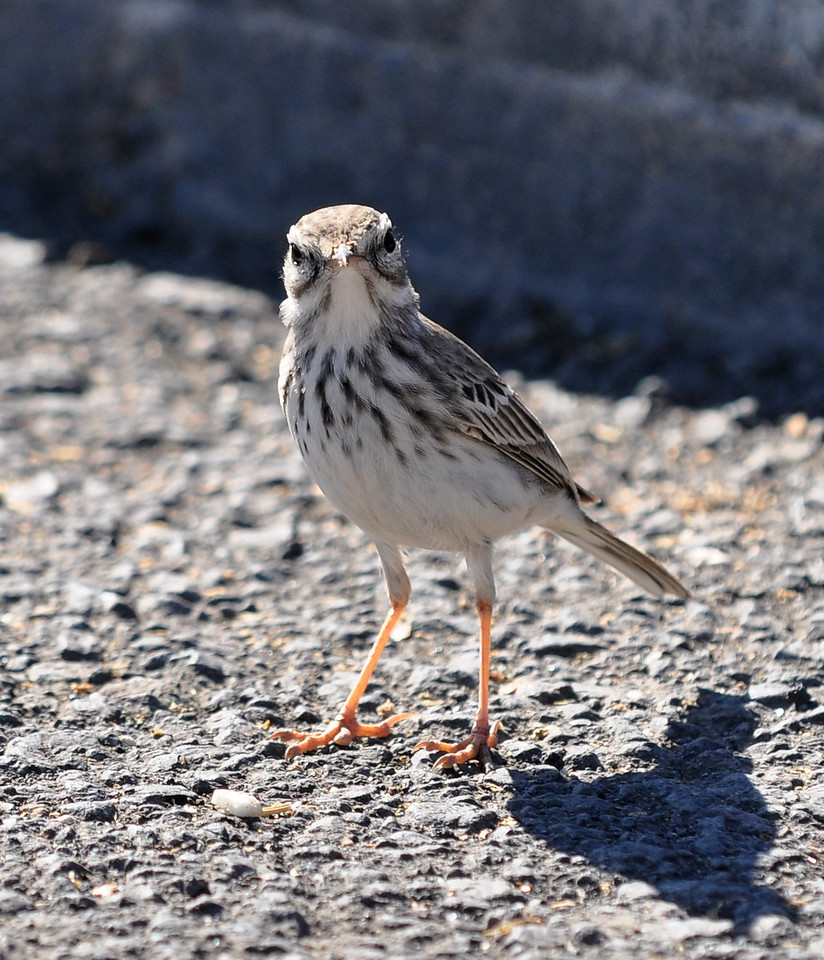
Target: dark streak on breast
286,386
445,452
392,387
326,372
351,396
425,367
383,423
366,360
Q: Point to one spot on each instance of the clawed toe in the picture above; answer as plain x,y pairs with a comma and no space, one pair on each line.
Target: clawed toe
475,747
341,731
304,742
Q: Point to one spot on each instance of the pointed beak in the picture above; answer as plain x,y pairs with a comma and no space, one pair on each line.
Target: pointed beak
342,254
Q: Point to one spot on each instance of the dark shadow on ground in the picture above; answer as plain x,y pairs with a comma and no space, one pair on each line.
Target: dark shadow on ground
693,826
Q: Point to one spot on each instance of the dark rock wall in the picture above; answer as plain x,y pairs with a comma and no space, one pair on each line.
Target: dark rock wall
597,190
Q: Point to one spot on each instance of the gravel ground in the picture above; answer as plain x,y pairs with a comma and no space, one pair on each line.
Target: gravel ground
171,585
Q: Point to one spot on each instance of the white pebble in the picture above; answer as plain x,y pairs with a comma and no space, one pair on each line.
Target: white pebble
237,804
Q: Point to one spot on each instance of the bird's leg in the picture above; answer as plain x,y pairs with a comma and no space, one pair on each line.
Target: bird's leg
483,736
345,727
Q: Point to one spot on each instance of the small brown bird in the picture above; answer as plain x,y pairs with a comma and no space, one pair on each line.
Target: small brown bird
417,440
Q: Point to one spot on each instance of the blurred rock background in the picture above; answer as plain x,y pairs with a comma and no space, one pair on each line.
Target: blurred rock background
598,190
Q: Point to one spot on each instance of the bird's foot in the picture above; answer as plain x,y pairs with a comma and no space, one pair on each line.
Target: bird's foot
475,747
341,731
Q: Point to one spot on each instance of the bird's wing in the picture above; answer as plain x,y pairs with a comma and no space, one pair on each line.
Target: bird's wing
491,411
482,405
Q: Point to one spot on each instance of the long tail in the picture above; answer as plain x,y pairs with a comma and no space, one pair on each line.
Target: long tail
642,569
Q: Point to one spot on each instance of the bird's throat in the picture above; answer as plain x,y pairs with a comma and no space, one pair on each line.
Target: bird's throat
352,305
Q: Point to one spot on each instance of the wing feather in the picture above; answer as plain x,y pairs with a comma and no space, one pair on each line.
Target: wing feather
491,411
487,409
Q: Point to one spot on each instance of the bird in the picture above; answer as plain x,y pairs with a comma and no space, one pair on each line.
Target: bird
418,441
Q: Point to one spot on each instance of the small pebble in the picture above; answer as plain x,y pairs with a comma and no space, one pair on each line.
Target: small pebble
245,805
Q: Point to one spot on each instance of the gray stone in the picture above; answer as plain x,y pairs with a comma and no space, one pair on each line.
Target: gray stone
698,833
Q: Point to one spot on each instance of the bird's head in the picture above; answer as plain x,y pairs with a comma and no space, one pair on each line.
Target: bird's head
344,264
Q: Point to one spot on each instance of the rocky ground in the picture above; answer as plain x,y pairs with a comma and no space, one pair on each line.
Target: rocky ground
171,586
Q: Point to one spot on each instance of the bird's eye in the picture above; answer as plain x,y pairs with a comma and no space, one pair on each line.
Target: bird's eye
389,241
296,254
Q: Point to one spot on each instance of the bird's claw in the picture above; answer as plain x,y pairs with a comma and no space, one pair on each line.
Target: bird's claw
341,731
475,747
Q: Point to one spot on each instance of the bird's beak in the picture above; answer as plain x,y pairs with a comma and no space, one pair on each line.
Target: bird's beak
342,254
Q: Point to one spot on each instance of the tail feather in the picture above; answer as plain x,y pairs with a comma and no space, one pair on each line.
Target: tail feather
638,566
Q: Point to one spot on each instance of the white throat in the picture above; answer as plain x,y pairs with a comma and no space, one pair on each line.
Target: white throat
351,315
340,312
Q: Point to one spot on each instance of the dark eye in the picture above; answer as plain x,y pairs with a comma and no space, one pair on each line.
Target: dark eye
389,241
295,253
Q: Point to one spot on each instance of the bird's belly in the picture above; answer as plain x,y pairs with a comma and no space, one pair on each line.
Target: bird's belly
444,498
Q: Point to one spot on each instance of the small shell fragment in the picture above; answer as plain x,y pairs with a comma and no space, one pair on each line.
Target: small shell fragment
104,890
239,804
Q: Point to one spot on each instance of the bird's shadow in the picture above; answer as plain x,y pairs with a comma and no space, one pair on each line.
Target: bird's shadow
693,826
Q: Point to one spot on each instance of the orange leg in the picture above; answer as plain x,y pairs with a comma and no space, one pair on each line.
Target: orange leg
482,737
345,727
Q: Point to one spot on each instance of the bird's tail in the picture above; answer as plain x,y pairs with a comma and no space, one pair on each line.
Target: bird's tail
639,567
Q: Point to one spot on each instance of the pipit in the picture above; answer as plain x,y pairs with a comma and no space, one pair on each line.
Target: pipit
417,440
